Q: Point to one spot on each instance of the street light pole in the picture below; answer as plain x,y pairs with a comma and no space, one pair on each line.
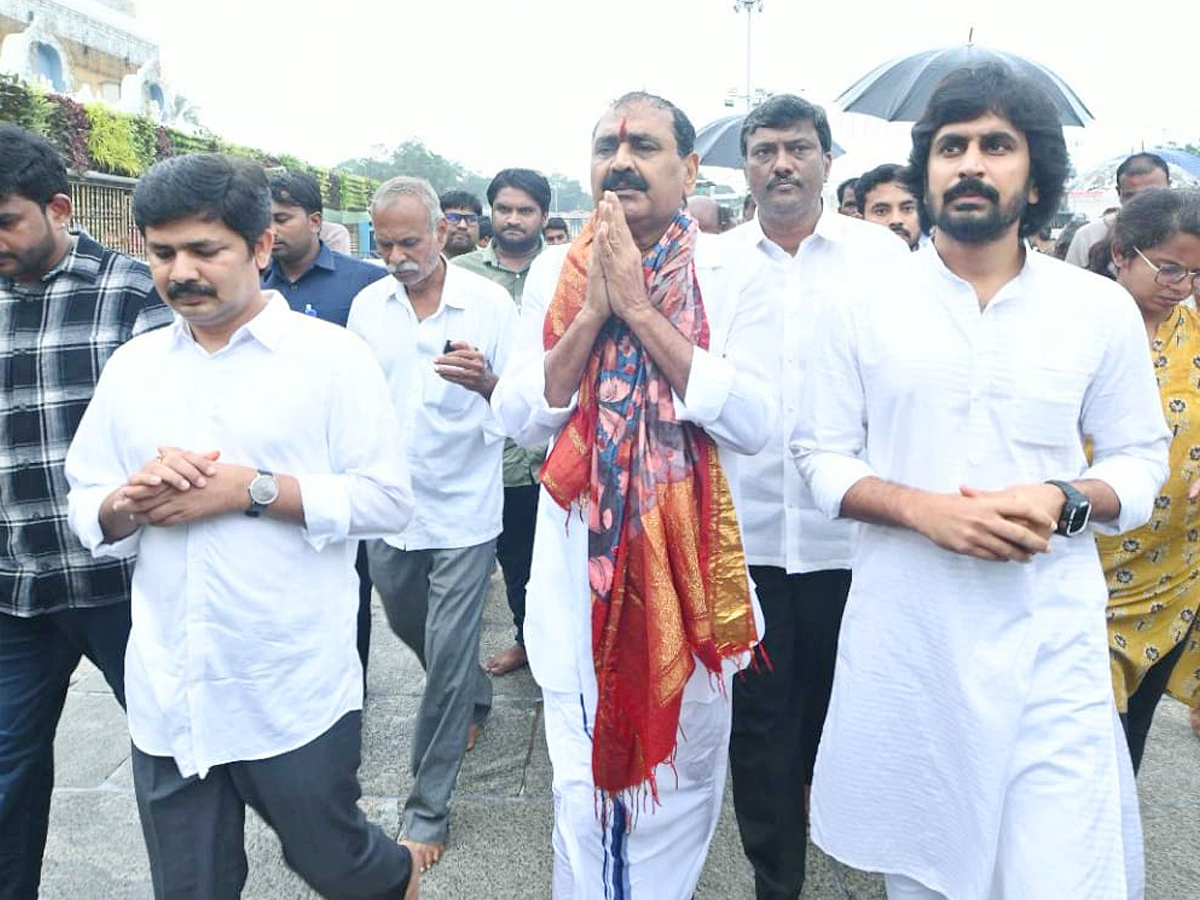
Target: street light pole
750,7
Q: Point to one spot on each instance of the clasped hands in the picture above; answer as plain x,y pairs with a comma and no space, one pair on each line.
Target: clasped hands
1010,524
180,486
615,283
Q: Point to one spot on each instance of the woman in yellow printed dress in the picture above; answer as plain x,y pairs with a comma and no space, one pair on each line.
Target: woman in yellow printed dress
1153,572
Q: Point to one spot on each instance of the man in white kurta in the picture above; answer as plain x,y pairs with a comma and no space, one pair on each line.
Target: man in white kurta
971,749
658,853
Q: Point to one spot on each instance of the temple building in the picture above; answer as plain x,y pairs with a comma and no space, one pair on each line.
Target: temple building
87,49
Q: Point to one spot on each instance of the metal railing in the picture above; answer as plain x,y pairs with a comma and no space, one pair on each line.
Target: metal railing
103,207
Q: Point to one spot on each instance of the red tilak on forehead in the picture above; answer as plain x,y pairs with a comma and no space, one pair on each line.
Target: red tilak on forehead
623,131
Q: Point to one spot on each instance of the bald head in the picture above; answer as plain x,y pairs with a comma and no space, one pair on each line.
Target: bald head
706,212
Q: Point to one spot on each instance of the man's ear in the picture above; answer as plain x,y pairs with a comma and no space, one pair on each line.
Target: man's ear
59,209
261,251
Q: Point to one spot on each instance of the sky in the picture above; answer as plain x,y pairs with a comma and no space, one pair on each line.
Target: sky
496,83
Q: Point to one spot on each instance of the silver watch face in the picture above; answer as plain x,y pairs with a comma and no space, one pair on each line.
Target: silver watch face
264,489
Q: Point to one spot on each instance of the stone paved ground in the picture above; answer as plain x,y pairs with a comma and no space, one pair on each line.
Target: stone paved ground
501,813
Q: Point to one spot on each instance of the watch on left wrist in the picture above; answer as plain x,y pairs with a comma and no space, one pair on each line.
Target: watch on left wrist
1076,510
263,490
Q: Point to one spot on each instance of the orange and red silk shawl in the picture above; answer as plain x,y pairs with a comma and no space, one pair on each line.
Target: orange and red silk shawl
665,561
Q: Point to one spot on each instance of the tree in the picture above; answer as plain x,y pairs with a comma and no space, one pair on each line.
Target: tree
409,158
569,194
414,158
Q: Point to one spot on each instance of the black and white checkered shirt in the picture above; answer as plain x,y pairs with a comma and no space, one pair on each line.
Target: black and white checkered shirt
55,336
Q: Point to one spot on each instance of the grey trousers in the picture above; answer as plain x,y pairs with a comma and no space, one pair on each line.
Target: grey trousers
434,602
194,826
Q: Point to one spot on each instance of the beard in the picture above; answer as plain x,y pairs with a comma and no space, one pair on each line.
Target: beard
458,243
515,246
976,227
33,262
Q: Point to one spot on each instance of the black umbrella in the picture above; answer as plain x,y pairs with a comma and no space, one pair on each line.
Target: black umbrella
898,91
719,143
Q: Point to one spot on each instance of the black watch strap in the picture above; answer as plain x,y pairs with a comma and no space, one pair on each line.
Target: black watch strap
1076,510
257,509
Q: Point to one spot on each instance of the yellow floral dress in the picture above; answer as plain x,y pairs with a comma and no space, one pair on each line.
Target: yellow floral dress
1153,573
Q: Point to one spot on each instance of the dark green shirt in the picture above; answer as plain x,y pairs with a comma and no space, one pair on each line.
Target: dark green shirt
520,465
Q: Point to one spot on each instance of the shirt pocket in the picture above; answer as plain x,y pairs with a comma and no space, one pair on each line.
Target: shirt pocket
1046,404
448,398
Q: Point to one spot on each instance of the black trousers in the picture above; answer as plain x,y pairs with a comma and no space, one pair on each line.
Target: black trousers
37,657
364,609
514,548
1139,714
779,708
194,827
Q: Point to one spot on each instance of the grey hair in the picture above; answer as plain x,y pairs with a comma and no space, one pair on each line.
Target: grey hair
407,186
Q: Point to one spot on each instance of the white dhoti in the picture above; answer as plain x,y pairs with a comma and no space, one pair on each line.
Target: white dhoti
654,851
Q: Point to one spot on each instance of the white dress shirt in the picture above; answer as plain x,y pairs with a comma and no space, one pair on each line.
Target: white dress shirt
243,640
840,259
455,443
1080,249
946,663
729,395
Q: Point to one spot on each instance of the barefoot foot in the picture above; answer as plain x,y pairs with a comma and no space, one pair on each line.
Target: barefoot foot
506,661
424,856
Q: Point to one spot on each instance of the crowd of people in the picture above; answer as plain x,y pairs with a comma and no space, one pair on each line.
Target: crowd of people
899,534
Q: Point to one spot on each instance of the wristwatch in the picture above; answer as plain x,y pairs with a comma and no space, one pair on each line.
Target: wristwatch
1076,511
264,490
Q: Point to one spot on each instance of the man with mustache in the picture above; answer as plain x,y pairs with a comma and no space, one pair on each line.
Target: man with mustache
1135,174
520,200
442,335
240,454
640,355
884,197
809,255
66,304
972,748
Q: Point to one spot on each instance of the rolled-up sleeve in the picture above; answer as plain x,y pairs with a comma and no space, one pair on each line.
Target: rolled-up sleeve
829,436
1122,413
369,492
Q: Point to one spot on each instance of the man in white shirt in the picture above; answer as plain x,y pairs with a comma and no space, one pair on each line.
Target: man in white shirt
640,355
240,454
1135,174
971,747
808,256
442,335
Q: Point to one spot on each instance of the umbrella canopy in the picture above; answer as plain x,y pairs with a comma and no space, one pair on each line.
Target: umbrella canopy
1183,166
899,91
719,143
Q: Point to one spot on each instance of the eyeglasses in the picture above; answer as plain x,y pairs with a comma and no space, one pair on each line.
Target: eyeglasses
455,217
1171,274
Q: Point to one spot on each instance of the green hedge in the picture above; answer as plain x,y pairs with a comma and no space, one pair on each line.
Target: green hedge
95,137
